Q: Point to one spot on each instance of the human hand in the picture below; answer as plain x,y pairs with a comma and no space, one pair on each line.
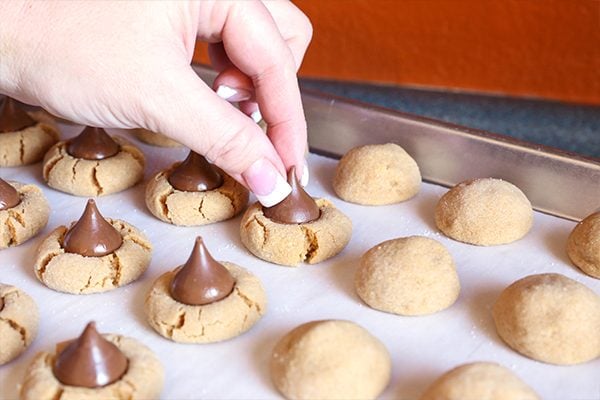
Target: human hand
127,65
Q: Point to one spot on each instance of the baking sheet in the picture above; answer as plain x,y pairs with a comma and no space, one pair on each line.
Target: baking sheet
422,348
448,154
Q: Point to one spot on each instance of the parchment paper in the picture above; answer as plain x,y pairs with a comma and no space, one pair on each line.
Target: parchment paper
422,348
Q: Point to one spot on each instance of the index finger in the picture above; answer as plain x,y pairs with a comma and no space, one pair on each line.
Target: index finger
255,46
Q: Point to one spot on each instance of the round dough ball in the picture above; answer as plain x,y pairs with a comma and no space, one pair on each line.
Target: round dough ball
484,212
377,174
408,276
330,360
583,245
550,318
479,381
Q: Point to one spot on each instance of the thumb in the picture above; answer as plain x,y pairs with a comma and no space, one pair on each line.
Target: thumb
180,105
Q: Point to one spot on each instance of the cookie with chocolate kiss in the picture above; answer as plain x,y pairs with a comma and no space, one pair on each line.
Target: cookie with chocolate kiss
93,163
19,318
95,366
95,254
24,212
298,229
24,136
89,361
194,192
204,300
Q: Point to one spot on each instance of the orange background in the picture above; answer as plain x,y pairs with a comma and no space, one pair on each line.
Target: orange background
539,48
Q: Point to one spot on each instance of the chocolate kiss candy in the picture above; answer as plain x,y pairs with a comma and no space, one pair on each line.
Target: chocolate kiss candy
297,208
92,144
201,280
92,235
13,118
9,197
90,361
195,174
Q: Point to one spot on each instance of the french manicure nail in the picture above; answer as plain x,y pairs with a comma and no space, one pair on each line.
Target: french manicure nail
233,95
266,183
256,116
305,175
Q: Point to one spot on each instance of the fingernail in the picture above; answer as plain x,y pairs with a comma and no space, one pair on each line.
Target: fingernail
305,175
266,183
233,95
256,116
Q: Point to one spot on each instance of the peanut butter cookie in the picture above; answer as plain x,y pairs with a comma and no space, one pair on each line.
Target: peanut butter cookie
18,322
94,366
93,164
299,229
205,301
194,192
24,136
93,255
24,212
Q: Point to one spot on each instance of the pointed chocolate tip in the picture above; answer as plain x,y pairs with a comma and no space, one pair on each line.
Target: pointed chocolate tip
92,144
13,118
90,361
195,174
92,235
9,196
298,208
201,280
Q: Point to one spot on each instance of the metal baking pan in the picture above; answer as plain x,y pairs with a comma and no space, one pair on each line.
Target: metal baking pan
556,182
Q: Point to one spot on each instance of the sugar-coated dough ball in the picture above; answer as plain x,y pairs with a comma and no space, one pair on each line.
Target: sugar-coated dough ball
331,359
479,381
550,318
408,276
484,212
377,174
583,245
